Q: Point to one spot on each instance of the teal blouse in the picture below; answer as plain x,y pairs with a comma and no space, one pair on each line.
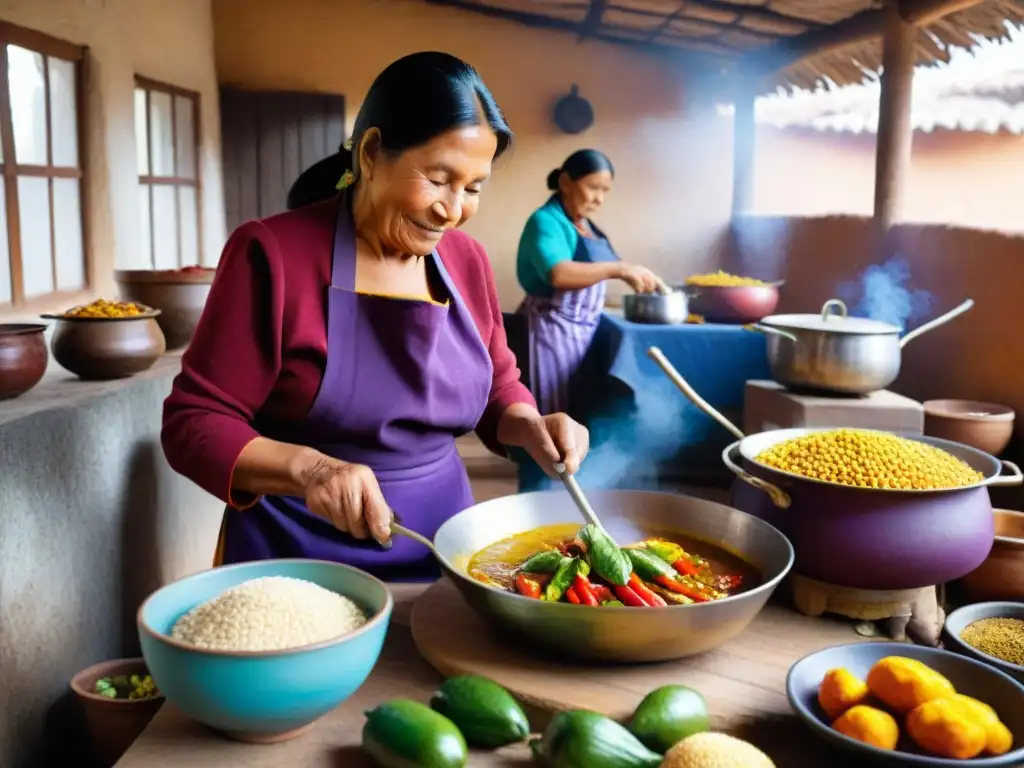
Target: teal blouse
548,238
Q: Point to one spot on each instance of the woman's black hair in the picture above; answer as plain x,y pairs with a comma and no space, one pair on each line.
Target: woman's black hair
414,99
580,163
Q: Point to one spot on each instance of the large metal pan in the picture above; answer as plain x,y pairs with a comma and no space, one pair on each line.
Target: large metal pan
615,634
831,352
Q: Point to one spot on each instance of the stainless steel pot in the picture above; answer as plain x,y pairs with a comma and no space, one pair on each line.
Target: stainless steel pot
831,352
615,634
671,308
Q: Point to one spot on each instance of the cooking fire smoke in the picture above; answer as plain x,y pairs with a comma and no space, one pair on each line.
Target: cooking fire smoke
881,293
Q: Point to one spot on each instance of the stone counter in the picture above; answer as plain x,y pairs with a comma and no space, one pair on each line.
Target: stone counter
92,519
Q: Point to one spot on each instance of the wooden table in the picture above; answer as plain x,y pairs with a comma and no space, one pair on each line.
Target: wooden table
172,740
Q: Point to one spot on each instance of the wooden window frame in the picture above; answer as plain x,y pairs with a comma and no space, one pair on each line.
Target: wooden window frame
149,86
48,47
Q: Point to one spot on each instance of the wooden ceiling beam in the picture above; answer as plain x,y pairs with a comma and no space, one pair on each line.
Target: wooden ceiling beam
755,12
592,21
866,25
921,13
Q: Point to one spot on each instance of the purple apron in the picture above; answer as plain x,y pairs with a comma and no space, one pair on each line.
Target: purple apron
562,327
403,379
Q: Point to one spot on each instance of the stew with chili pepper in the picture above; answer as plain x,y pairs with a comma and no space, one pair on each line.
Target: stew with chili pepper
567,564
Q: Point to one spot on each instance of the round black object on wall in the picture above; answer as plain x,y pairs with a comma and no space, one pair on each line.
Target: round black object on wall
573,113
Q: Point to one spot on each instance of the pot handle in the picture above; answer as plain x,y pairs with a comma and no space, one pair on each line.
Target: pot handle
828,306
773,331
1016,477
778,496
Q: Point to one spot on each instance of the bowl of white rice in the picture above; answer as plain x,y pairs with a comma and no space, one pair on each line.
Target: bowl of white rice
260,651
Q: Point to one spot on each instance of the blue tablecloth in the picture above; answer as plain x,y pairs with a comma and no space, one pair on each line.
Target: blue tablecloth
638,420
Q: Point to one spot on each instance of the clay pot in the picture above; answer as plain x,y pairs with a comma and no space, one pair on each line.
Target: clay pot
98,349
735,304
180,297
1001,576
985,426
113,723
23,358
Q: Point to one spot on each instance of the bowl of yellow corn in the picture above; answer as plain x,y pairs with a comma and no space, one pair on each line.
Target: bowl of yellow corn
107,339
869,509
720,297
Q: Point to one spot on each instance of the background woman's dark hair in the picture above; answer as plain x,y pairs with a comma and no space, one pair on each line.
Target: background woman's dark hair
581,163
414,99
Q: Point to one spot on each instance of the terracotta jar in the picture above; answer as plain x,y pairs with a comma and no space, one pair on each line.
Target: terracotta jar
1001,576
23,357
113,723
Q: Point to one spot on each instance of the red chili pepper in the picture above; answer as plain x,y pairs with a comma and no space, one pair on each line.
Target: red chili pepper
644,593
601,592
571,596
685,567
682,588
527,586
581,586
629,597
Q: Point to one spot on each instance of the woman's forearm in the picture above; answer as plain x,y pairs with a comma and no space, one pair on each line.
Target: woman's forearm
575,275
267,467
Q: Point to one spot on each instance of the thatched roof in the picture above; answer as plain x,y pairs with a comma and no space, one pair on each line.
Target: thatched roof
980,90
754,32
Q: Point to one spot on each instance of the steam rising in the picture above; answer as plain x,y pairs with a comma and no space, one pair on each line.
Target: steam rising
881,293
627,447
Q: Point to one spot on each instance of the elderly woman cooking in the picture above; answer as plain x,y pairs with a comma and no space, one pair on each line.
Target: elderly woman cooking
562,264
346,344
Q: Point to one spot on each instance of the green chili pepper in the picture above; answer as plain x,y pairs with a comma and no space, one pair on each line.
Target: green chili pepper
544,562
608,561
649,567
110,693
612,604
563,578
102,684
666,550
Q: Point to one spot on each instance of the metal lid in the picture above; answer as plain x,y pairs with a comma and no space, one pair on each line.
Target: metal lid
835,322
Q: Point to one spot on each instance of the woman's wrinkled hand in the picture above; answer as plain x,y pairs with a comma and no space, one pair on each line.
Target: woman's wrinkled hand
549,439
349,497
640,279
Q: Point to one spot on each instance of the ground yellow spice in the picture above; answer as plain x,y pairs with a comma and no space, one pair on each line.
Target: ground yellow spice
1002,638
869,460
722,279
101,308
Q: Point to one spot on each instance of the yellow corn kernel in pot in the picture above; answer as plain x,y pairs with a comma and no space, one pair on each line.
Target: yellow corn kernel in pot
946,728
715,750
840,689
998,739
869,725
902,684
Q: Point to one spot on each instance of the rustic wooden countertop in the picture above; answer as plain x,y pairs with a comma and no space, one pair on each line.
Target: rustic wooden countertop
172,740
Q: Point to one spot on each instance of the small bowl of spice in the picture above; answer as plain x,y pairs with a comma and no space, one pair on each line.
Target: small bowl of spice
990,632
107,339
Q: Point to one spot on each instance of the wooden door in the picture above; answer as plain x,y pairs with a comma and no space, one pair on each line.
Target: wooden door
268,139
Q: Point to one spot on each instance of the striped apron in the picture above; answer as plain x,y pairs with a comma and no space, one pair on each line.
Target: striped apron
562,327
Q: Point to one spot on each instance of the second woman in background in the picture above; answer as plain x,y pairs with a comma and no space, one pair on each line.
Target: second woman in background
562,265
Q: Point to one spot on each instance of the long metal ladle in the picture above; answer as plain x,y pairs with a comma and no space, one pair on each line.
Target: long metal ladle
578,496
778,496
401,530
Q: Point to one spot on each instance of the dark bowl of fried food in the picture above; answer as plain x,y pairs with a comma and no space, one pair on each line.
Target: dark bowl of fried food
107,339
667,576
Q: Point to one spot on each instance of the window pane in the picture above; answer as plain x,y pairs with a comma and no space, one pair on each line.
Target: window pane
67,228
28,104
185,136
145,257
187,205
165,227
36,253
5,253
161,147
141,133
63,112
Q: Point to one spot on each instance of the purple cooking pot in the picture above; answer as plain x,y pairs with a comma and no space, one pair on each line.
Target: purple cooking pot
868,538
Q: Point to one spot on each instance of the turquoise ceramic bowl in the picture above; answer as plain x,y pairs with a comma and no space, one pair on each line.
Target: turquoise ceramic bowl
264,696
